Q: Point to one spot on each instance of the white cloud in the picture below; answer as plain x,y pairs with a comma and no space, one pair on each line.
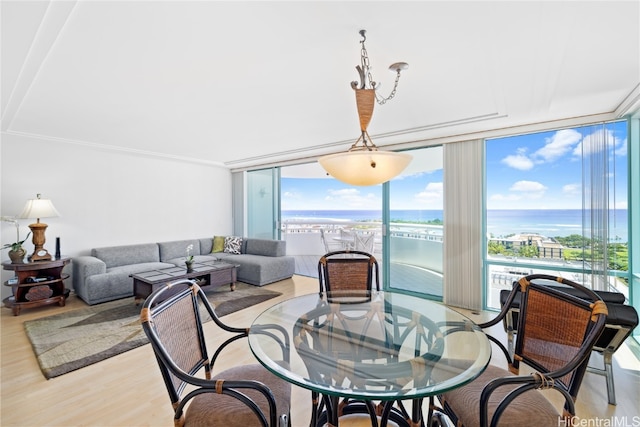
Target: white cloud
622,149
558,145
351,198
591,143
529,189
527,186
432,194
595,142
518,161
572,189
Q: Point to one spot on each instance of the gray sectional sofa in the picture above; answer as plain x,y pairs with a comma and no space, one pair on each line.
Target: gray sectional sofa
104,276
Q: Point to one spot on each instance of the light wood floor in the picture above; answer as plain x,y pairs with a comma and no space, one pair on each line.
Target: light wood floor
127,390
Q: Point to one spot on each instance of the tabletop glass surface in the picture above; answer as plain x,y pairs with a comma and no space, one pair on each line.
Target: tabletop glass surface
378,346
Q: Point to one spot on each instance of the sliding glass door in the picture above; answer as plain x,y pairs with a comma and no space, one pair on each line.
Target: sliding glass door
263,203
403,219
414,226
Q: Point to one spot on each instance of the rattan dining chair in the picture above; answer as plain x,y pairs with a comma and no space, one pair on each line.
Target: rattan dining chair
245,395
556,333
622,319
344,271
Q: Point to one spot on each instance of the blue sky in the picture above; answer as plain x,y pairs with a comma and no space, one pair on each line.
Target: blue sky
534,171
544,170
417,191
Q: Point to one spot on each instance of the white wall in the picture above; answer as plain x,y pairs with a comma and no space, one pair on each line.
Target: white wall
109,197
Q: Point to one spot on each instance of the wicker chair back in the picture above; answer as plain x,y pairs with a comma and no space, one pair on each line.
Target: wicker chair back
343,271
556,334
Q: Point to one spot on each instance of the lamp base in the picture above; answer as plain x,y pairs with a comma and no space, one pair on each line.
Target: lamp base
40,255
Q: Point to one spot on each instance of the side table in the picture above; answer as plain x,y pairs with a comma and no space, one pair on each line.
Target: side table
39,283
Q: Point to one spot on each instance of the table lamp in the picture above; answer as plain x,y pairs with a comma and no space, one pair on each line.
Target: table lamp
39,208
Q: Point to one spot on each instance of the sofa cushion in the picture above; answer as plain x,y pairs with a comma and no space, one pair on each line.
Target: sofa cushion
206,244
218,244
259,270
115,283
138,268
266,247
114,256
177,249
233,245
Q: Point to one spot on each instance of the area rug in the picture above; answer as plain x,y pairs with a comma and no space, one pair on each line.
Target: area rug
68,341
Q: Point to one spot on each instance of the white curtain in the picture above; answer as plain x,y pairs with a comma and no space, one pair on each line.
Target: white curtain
597,143
463,217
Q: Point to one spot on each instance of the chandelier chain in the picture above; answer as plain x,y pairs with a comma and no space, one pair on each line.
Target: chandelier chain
364,59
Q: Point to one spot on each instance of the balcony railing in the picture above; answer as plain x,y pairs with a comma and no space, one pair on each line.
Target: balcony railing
416,249
416,256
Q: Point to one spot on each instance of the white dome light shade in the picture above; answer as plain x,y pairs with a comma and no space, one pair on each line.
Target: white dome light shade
363,164
365,168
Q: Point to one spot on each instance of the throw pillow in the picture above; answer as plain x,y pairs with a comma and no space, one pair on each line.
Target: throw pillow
218,244
232,244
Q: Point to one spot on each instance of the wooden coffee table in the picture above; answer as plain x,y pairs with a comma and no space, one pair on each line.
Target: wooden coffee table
209,274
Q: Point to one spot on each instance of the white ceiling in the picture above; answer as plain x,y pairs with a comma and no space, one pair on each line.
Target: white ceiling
241,83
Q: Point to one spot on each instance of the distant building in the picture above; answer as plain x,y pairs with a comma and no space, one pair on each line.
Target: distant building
547,247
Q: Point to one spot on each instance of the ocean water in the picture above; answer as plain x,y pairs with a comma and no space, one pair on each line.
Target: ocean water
548,222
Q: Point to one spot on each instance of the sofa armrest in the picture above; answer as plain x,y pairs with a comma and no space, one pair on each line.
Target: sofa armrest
84,267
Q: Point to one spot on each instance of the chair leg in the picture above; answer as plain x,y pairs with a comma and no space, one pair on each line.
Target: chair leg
510,343
510,328
608,367
438,419
607,359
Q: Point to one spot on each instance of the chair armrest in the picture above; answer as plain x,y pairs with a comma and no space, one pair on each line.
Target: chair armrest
526,383
276,332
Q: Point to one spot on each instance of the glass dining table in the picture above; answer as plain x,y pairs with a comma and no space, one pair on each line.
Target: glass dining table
370,353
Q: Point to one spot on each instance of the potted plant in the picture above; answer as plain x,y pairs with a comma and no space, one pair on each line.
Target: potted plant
189,259
17,252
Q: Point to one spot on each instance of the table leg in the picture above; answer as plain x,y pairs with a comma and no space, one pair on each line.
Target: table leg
417,412
314,409
331,410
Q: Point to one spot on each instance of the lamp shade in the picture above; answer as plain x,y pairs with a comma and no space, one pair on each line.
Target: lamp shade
39,208
365,167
